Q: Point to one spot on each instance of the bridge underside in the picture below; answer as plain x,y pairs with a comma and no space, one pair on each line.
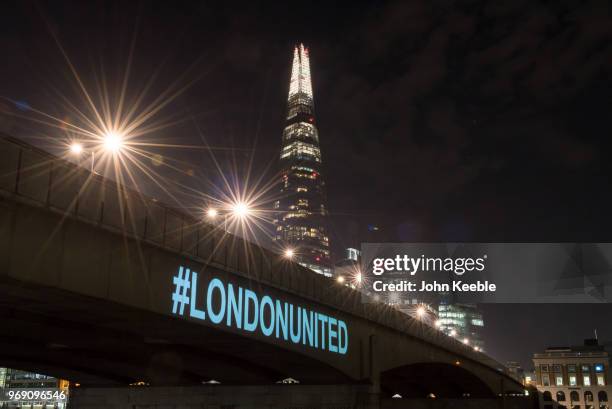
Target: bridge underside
99,343
96,342
437,380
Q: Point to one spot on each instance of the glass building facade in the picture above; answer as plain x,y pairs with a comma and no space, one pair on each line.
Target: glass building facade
302,208
465,321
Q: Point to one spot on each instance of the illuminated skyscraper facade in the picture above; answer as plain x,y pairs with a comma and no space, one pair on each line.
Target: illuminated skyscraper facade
302,208
465,320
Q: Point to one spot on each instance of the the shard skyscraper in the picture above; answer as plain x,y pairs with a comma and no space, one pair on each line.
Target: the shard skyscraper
302,208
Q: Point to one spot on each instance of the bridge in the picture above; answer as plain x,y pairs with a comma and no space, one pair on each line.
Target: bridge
106,287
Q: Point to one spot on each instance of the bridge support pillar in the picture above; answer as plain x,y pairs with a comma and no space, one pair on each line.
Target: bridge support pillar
231,397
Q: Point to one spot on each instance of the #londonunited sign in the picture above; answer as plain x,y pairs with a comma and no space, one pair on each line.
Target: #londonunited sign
222,303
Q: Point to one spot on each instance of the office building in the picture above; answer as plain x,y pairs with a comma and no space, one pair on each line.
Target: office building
302,208
463,321
573,377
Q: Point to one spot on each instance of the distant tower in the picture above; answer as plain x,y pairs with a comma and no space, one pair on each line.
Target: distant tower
302,208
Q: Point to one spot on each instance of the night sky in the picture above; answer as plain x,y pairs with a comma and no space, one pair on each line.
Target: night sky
438,120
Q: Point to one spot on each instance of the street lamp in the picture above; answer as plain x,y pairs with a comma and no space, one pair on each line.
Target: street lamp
453,333
358,278
77,149
213,213
240,209
113,142
289,253
420,312
340,279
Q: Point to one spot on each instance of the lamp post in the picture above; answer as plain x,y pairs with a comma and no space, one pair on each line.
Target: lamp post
420,312
213,213
77,149
239,210
112,142
289,253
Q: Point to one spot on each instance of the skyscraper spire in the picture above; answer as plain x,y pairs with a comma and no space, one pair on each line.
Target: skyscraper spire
300,73
302,209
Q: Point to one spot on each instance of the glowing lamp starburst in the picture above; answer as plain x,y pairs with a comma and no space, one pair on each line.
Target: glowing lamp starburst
420,311
113,142
240,209
76,148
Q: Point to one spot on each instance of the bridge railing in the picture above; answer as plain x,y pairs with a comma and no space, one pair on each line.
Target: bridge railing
31,175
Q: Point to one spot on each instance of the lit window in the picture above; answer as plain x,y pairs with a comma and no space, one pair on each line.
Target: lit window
572,380
600,379
586,380
545,380
558,380
301,150
478,322
299,213
302,168
301,130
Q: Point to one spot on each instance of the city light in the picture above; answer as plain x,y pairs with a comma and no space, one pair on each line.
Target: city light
358,278
76,148
438,323
453,333
289,253
113,142
466,341
420,311
240,209
212,213
340,279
